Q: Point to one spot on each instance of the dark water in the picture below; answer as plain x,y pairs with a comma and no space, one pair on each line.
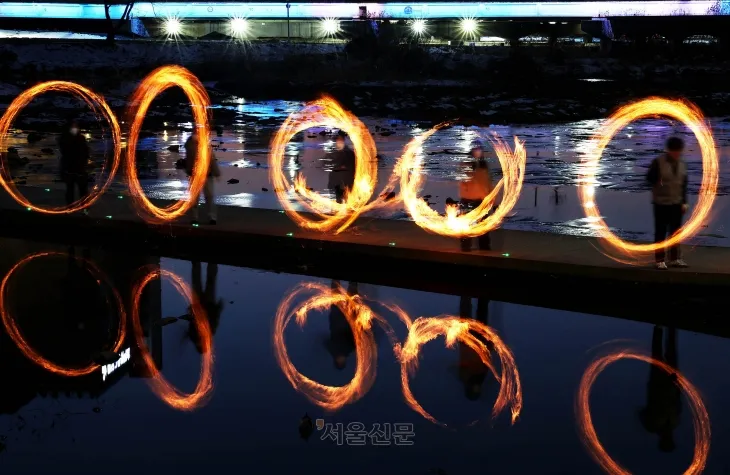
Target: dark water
250,425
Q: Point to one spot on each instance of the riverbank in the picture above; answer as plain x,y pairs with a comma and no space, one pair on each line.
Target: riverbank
484,85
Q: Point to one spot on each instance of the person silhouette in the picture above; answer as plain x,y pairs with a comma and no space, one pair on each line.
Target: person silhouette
207,298
344,162
341,342
472,370
663,400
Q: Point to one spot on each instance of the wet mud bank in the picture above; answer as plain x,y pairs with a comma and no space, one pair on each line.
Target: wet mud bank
485,85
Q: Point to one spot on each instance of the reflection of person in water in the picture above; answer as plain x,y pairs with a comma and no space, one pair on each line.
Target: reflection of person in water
84,302
472,370
663,405
207,298
341,342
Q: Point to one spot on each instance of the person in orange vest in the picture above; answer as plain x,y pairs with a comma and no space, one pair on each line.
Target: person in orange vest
472,370
474,189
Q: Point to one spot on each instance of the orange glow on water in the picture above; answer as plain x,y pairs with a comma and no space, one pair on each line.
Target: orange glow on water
358,315
164,390
700,418
15,334
466,331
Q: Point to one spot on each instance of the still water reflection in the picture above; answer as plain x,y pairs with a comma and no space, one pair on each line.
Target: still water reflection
252,421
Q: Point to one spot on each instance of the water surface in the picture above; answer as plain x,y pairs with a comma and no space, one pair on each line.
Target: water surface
251,422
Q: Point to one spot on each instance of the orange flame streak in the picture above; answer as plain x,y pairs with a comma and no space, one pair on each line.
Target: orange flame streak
360,318
330,215
98,106
164,390
466,331
691,116
476,222
151,86
17,337
701,419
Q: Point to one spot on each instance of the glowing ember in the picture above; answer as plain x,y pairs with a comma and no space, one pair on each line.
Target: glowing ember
477,221
360,318
689,115
329,214
700,417
100,109
170,395
17,337
467,331
155,83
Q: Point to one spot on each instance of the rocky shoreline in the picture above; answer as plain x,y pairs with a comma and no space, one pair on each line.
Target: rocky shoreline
490,85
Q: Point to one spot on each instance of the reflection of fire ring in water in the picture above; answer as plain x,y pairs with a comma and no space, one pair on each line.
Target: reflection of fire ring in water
17,337
98,106
329,113
467,331
358,315
477,221
689,115
170,395
151,86
701,419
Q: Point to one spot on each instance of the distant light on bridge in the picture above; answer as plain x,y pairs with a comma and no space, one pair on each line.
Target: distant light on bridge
418,27
239,27
469,26
330,26
172,27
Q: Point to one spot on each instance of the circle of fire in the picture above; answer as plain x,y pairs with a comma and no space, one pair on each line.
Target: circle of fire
328,213
98,106
360,318
701,419
477,221
164,390
17,337
691,116
151,86
466,331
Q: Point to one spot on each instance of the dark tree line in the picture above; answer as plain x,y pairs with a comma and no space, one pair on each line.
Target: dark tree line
115,25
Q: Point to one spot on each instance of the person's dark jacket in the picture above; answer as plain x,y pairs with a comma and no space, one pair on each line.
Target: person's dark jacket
343,168
74,153
191,157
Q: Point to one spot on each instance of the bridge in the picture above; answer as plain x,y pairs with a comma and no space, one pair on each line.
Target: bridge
436,22
396,10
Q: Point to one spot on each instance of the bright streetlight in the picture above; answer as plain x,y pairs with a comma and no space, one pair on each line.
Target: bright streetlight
418,27
238,26
330,26
469,26
172,27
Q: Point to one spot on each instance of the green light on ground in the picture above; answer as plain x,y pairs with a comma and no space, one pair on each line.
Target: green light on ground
506,254
281,211
109,217
120,197
29,209
48,189
196,225
391,244
290,234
